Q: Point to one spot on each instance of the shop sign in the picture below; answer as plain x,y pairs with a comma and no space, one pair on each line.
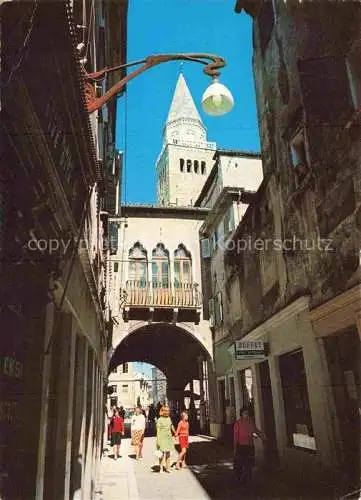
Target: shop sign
250,350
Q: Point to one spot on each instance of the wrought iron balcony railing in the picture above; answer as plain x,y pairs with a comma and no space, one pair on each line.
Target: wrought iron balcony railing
158,294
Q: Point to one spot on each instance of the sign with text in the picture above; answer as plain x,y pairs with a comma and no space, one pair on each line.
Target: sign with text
250,350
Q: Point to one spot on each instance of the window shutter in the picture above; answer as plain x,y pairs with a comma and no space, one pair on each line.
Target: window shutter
217,318
220,306
205,248
113,237
325,89
231,219
211,311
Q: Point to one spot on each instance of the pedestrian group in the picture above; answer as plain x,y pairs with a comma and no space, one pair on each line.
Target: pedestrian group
165,434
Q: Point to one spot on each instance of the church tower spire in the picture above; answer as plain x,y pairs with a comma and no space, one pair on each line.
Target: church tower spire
183,121
186,157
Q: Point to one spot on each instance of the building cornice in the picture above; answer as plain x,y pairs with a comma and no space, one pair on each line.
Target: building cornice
161,211
351,296
277,319
224,200
239,153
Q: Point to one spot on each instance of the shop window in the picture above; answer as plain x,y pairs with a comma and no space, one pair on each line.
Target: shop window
354,73
245,383
343,355
296,401
196,166
181,164
325,90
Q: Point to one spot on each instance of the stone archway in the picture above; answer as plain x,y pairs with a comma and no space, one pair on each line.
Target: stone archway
177,352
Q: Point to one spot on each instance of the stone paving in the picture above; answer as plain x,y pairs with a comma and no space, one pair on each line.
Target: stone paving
209,475
127,478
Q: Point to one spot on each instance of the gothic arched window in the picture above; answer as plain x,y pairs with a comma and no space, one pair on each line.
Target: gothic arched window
196,166
160,267
138,264
203,167
182,266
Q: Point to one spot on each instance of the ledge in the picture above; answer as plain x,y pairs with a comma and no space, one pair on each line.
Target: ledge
274,321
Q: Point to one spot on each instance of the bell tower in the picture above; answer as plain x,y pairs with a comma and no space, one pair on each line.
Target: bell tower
186,157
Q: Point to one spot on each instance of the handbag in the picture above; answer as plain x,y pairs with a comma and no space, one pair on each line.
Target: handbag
158,454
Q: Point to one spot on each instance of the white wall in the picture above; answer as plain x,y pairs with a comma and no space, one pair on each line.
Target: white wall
150,231
236,171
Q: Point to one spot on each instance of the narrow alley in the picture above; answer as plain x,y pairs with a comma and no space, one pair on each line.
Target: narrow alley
209,475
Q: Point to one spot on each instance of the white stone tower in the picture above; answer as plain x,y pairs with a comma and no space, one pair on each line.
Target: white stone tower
186,157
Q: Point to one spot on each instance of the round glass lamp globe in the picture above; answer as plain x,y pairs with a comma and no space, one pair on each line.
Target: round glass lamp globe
217,99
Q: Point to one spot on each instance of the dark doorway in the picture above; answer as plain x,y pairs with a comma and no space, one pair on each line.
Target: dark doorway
222,399
271,453
344,361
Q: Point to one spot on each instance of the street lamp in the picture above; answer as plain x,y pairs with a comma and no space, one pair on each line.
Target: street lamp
217,99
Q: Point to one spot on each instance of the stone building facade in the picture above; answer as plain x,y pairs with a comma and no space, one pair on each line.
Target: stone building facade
127,387
155,289
53,329
298,281
230,187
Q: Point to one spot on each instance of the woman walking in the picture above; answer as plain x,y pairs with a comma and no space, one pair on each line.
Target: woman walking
137,432
117,431
183,433
244,430
165,430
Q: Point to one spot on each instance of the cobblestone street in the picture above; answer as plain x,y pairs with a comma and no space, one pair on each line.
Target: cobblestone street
209,476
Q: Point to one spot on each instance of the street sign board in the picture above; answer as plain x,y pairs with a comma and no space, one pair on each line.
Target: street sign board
250,350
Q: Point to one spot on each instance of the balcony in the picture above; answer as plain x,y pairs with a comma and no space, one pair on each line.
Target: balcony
162,301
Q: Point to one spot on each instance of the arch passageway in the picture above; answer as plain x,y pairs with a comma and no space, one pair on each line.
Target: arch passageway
172,349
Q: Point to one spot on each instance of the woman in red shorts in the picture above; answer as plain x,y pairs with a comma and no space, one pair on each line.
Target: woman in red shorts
183,433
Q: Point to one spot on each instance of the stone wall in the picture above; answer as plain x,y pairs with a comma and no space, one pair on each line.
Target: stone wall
314,214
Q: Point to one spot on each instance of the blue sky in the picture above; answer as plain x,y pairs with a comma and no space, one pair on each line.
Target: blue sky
169,26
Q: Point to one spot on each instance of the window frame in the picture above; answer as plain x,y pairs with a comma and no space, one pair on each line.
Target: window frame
294,389
158,261
140,264
182,261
